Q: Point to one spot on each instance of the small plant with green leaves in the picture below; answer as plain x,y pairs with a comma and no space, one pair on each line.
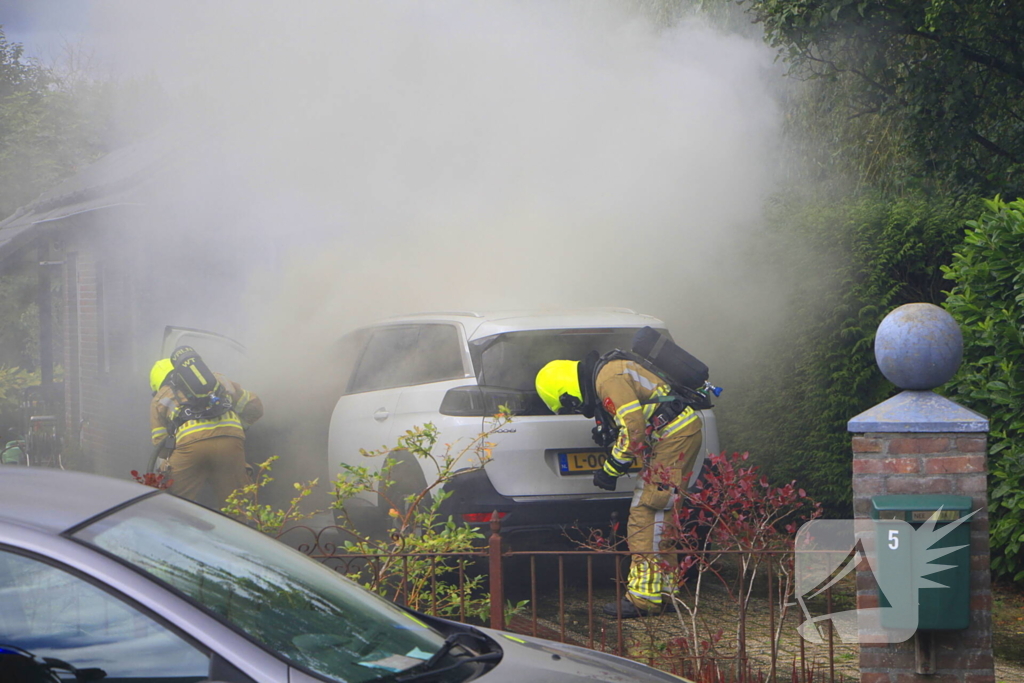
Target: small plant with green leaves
244,503
421,559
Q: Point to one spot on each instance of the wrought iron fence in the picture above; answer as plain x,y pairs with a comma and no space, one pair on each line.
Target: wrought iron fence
723,629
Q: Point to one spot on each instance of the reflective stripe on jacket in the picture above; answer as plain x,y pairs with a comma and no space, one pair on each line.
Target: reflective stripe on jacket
165,406
625,389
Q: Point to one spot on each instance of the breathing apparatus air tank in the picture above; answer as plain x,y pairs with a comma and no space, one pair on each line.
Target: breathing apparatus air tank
682,370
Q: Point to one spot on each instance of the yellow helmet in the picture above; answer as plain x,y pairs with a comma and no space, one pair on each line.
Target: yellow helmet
159,373
555,380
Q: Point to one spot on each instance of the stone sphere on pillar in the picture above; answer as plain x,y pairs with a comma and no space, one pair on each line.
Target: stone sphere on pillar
918,347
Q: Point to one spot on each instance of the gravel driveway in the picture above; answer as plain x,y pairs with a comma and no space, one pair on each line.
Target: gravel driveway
717,612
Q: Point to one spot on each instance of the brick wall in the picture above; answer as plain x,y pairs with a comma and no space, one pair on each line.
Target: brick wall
89,391
901,463
105,399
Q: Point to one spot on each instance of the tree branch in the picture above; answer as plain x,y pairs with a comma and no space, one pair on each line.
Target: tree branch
977,56
993,147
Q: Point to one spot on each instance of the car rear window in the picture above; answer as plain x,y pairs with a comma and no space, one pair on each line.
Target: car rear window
511,360
405,355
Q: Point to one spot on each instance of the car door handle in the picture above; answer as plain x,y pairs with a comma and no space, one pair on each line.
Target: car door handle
381,414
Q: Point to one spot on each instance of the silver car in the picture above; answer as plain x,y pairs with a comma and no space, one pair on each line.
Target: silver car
454,370
106,580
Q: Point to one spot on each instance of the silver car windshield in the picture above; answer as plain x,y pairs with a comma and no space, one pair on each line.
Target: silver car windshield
309,614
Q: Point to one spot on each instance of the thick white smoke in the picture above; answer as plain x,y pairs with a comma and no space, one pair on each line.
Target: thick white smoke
368,159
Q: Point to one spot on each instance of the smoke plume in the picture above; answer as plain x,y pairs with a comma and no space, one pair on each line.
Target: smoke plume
357,160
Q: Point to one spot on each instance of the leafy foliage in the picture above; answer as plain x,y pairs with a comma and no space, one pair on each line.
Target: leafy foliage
949,76
736,512
987,300
244,504
414,564
12,383
51,124
19,313
17,73
19,334
853,260
732,530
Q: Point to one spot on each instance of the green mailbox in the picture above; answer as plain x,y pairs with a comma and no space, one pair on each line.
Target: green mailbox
903,554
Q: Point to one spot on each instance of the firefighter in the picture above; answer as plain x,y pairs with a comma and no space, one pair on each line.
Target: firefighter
205,444
654,430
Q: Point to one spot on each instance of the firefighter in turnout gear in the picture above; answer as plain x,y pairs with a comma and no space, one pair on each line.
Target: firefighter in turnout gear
647,426
201,418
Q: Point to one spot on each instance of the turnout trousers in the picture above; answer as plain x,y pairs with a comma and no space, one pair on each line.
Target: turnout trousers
656,495
219,460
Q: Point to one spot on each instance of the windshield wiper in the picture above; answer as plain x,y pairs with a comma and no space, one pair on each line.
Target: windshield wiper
44,666
449,642
427,668
431,673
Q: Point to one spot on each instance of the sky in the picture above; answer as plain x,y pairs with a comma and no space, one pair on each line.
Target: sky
42,26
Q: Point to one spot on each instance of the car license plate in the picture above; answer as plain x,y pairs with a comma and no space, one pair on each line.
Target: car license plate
582,462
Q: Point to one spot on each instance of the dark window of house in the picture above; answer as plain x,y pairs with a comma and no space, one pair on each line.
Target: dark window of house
406,355
52,613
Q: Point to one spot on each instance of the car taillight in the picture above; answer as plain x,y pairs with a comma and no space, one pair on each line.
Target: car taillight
481,517
476,401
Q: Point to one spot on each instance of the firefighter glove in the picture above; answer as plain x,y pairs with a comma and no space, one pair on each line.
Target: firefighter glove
603,480
615,467
609,473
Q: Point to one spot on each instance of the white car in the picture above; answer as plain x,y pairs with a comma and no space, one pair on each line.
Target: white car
454,370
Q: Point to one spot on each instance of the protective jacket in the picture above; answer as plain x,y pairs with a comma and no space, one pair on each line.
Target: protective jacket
629,394
164,415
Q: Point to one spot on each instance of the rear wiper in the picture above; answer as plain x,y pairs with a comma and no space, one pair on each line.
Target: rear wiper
427,668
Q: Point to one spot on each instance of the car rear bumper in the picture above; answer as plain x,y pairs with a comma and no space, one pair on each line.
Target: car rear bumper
473,493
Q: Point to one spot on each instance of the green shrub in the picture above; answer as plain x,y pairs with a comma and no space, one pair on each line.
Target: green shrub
12,386
852,259
244,503
987,300
418,561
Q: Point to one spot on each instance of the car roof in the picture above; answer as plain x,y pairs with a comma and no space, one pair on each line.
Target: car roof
55,500
479,324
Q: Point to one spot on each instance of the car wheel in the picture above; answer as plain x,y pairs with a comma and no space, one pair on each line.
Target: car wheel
406,480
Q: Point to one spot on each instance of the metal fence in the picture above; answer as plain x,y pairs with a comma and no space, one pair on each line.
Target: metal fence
736,616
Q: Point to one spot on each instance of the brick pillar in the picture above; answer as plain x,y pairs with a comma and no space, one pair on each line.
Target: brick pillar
921,443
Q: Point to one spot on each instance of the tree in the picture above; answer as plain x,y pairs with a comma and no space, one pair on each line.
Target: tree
17,73
947,74
50,125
